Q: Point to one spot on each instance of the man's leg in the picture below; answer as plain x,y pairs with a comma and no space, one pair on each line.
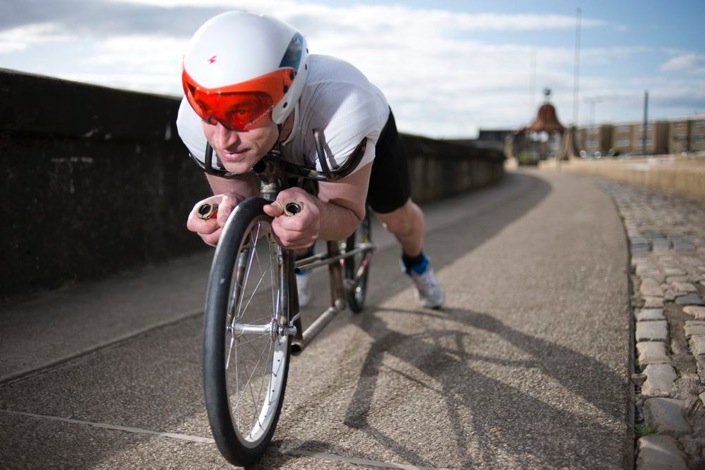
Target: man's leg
389,196
407,225
303,279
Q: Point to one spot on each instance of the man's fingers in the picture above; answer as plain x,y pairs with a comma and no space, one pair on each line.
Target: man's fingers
274,209
288,208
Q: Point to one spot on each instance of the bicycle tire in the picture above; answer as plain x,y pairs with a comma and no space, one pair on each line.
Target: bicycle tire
357,268
245,374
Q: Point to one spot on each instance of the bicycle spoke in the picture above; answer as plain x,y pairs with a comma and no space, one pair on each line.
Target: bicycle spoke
252,255
253,352
246,356
245,388
237,310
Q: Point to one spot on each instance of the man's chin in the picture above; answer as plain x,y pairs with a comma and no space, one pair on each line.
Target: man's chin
237,168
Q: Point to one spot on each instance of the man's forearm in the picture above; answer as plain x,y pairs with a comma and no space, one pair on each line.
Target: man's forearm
337,222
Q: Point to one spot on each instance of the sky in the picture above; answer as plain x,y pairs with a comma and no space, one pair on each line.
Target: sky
448,67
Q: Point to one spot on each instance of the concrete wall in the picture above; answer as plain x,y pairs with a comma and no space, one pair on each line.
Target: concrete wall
441,169
96,181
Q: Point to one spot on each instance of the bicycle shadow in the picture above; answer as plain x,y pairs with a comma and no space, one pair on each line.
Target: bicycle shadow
503,418
480,214
581,413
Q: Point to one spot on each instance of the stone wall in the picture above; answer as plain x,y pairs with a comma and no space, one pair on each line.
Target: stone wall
95,181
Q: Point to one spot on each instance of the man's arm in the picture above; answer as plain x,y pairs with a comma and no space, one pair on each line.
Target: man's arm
343,204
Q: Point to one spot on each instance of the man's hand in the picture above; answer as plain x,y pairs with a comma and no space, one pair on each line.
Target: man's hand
210,229
295,230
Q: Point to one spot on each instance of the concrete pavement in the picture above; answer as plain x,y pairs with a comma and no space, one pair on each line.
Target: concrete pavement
529,361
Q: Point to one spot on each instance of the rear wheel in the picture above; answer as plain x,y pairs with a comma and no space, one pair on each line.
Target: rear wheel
246,349
357,267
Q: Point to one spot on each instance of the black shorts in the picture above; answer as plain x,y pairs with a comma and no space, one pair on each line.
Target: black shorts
389,182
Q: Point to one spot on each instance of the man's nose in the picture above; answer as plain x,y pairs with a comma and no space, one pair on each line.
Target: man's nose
224,137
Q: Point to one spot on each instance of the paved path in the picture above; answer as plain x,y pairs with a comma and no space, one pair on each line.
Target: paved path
527,366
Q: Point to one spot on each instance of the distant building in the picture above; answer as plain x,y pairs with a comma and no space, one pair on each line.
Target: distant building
687,135
541,139
493,138
546,137
662,137
595,140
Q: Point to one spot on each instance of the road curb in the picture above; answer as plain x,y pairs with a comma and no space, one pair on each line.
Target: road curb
667,261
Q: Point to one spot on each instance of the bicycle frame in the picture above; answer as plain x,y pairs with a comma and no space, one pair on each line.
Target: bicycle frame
252,320
338,303
274,176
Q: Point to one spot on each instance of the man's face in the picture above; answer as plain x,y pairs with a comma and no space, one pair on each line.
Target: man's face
239,151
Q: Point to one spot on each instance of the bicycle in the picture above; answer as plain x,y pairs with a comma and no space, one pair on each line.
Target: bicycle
252,323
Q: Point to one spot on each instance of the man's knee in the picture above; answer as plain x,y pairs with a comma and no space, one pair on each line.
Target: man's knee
401,220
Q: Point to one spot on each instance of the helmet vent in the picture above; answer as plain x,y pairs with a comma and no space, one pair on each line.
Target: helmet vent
294,53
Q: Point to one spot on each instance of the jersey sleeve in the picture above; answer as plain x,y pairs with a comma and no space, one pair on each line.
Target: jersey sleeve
360,114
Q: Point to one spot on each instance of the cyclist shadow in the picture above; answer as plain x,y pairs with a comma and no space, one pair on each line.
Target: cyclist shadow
487,417
497,419
483,413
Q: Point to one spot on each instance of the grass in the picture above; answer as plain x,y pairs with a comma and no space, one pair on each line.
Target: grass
682,175
643,430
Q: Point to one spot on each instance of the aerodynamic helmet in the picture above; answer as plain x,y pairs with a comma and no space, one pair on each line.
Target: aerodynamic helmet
239,67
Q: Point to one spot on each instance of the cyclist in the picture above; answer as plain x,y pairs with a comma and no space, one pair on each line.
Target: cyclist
251,89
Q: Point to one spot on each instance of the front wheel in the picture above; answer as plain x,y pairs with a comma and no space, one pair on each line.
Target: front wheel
357,267
246,348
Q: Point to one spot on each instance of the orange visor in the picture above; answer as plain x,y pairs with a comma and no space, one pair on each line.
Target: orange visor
238,107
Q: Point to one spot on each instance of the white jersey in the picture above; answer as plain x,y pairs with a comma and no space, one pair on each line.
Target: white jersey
337,99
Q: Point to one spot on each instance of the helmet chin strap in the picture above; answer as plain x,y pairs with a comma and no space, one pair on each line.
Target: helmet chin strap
284,132
276,150
287,127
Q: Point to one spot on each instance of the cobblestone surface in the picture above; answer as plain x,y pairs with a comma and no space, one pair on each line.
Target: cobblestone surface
667,241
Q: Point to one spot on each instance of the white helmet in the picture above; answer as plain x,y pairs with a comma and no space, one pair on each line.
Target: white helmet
239,66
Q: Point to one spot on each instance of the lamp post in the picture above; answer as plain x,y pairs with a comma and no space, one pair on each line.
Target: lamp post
576,71
645,127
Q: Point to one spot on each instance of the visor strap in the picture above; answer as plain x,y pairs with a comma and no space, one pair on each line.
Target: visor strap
209,158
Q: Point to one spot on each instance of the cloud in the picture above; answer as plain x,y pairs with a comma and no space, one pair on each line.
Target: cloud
22,37
445,73
689,62
103,18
